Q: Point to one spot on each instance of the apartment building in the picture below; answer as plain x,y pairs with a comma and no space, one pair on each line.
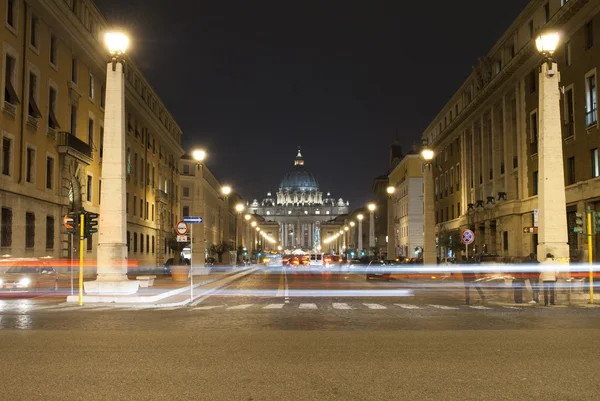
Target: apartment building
486,136
51,126
405,229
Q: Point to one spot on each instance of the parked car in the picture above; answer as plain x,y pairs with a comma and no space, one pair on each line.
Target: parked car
29,279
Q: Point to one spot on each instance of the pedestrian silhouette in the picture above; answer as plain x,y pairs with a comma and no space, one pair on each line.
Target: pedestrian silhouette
469,278
534,277
548,277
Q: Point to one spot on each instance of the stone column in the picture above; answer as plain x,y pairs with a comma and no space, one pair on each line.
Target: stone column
429,251
551,200
199,234
112,226
360,236
391,234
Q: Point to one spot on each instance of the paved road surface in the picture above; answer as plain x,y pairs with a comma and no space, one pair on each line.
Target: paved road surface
246,347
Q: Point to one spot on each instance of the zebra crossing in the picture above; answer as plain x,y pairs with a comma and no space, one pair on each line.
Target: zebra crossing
279,306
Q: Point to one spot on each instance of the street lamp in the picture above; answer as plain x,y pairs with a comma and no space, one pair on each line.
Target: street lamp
371,207
199,241
112,229
429,252
391,232
360,218
552,214
239,208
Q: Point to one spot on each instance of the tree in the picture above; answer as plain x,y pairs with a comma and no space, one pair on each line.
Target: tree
219,250
176,247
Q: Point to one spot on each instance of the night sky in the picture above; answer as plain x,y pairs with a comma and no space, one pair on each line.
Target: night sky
252,80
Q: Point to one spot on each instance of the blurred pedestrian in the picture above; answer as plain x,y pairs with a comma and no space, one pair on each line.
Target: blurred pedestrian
469,278
533,274
518,282
549,276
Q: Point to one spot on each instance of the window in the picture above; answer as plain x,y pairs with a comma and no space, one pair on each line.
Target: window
595,169
147,173
135,170
534,182
589,35
34,111
10,95
153,242
147,243
186,210
568,53
530,26
34,37
128,161
102,96
30,165
101,146
532,81
49,232
186,169
74,70
128,240
88,195
546,13
52,121
91,87
141,243
590,89
49,172
458,211
141,208
505,240
53,50
534,133
571,170
569,111
74,120
142,172
6,228
89,243
186,192
147,207
6,155
29,230
11,13
134,205
134,242
90,131
99,191
152,212
153,174
127,203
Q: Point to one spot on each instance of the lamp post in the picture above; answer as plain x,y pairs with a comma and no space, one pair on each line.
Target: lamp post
252,241
352,225
198,240
552,214
429,253
239,208
224,230
371,207
112,229
247,241
391,232
360,218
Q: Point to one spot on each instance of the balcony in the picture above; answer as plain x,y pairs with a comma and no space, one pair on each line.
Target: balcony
71,145
162,196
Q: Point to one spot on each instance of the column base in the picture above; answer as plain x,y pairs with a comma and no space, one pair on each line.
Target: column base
116,287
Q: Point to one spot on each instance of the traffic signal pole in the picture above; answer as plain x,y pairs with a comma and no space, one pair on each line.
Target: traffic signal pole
81,236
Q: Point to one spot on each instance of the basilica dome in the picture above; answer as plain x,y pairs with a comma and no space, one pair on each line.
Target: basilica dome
299,179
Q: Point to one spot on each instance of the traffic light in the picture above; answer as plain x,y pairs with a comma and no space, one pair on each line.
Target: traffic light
596,222
91,224
71,222
578,223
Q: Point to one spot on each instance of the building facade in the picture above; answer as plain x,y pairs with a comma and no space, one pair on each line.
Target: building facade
53,66
299,207
485,138
406,222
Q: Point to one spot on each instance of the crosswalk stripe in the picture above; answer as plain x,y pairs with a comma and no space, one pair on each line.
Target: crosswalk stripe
207,307
244,306
274,306
375,306
443,307
341,306
408,306
478,307
308,306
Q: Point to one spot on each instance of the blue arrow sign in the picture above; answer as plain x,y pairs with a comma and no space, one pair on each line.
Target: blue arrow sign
192,219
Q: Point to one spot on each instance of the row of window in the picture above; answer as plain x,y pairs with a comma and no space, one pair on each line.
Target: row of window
447,213
450,180
28,236
150,245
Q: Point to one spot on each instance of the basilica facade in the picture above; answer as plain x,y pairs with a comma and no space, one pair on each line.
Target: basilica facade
299,207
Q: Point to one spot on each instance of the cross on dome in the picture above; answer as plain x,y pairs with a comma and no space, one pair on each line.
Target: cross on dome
299,159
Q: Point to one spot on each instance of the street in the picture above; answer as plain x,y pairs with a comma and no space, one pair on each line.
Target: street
246,342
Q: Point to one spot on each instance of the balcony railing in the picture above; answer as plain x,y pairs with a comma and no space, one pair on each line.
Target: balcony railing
568,129
590,118
162,196
75,147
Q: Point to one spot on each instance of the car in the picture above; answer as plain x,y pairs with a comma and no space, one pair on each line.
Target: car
379,269
29,279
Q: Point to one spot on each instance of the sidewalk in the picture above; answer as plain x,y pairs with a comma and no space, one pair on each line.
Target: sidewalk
165,291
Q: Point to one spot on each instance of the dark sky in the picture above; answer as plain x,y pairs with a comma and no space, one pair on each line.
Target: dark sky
252,80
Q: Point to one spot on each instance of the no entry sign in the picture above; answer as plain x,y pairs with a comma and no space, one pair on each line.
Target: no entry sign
181,228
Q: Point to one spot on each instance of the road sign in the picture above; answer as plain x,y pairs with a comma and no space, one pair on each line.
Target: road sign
467,237
192,219
181,228
182,238
530,230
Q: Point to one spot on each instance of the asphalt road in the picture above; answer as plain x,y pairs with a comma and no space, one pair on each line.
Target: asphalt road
248,343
